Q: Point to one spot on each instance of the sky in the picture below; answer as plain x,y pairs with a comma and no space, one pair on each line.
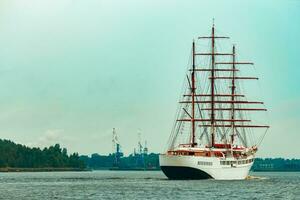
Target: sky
71,70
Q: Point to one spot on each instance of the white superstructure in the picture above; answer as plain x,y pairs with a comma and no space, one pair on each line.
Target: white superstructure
180,164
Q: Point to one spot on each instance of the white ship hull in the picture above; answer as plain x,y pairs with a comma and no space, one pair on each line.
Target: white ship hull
199,167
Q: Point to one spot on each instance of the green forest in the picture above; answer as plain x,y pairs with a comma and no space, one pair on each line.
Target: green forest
17,156
14,155
276,164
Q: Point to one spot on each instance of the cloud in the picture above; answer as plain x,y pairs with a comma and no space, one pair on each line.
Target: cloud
50,137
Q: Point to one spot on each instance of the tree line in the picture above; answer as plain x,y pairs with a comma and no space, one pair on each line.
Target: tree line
14,155
133,161
276,164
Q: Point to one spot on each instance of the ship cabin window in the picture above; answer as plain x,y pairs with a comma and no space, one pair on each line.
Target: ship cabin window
227,162
240,162
204,163
186,153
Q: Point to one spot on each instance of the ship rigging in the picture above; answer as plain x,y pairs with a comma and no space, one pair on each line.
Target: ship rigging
214,111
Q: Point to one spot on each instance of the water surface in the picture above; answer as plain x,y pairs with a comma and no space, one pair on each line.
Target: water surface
144,185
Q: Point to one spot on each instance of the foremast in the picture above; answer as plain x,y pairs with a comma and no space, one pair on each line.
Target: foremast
193,91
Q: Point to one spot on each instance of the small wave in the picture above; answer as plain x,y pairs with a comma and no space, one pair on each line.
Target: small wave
255,178
115,178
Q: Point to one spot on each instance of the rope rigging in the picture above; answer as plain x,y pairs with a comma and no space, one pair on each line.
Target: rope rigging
212,103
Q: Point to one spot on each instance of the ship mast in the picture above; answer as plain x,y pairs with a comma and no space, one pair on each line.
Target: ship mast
212,86
213,122
233,94
193,90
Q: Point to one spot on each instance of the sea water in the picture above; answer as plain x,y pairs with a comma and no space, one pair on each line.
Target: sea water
144,185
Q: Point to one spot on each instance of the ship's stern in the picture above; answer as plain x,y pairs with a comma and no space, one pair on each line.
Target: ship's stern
180,167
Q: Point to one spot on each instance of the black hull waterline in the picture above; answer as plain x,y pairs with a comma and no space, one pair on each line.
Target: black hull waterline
184,173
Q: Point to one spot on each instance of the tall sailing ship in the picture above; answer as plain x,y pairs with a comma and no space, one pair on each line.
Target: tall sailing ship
213,135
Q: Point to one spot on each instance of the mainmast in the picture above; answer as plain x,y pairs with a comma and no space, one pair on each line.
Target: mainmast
212,86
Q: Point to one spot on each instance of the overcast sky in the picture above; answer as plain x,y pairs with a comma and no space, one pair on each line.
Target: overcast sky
71,70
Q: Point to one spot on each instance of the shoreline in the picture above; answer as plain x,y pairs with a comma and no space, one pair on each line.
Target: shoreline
63,169
46,169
